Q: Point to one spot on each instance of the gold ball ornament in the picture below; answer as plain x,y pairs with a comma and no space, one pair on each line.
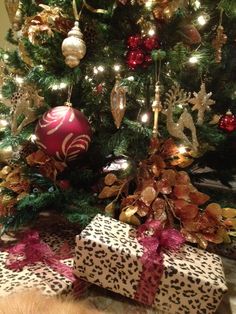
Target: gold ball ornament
73,47
6,154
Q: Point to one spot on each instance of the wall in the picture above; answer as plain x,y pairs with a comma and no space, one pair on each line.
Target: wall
5,25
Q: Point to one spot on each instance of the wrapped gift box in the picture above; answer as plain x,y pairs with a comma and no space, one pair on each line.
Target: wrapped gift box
40,275
109,255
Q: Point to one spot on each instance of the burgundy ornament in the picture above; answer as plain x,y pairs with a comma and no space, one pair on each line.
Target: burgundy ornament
134,58
99,88
228,122
64,184
63,133
134,41
191,34
150,43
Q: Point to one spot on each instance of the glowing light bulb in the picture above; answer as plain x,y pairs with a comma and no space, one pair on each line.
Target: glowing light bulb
197,4
4,122
182,149
101,68
193,59
149,4
62,85
19,80
5,57
201,20
55,87
130,78
33,138
117,67
88,78
124,165
151,32
144,118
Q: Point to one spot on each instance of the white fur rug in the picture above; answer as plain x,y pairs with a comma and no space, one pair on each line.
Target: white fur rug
33,302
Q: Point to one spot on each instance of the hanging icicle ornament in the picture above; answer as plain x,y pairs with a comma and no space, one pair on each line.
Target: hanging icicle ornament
157,55
118,102
73,47
219,41
15,14
156,107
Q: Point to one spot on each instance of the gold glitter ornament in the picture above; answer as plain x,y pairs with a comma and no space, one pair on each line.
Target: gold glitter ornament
24,55
73,47
24,103
202,102
11,7
118,102
6,154
175,96
18,18
156,107
218,42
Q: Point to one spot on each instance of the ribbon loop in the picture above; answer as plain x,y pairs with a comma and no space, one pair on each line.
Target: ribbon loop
155,239
31,250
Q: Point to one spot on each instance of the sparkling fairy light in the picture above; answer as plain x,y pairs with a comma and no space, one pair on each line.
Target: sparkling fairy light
202,20
62,85
197,4
130,78
151,32
193,59
182,149
101,68
149,4
124,165
95,70
117,67
144,118
33,138
3,122
19,80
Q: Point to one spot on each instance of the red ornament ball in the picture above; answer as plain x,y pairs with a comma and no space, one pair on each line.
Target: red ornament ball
150,43
190,34
147,61
134,41
228,122
63,133
134,58
64,184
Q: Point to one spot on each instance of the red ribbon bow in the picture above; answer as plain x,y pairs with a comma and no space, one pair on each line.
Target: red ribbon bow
31,250
155,239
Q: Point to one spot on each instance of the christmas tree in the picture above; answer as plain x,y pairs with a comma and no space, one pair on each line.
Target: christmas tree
115,104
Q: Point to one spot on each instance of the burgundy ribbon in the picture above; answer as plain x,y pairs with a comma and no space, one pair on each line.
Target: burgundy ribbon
31,250
155,239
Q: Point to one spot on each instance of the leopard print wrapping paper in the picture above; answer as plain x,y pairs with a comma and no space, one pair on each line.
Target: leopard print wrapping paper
39,276
108,255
